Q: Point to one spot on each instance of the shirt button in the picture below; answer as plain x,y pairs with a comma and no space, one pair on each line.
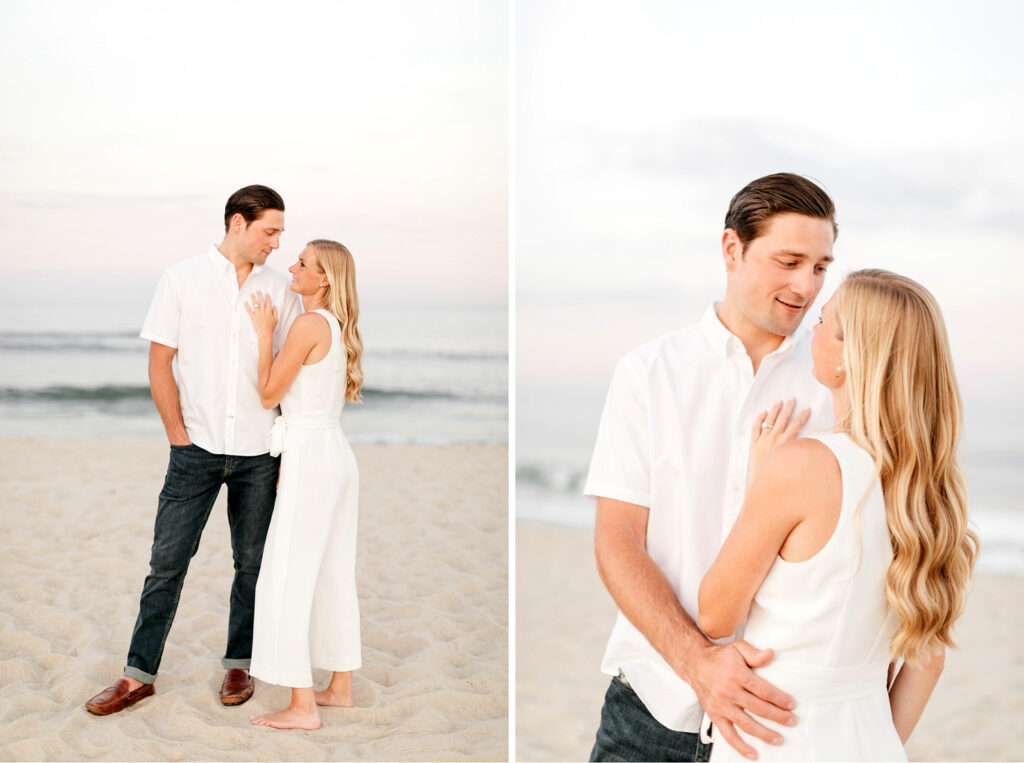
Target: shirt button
736,487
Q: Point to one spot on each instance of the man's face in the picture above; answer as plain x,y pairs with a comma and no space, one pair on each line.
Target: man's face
773,283
261,237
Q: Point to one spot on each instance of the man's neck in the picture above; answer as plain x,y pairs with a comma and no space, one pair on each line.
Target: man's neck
243,267
756,341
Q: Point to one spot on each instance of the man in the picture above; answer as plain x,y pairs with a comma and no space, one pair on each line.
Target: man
669,471
218,433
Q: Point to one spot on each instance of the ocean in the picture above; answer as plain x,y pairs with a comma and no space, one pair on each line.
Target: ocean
433,375
556,427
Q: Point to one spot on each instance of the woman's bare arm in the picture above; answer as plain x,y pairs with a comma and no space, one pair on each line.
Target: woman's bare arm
911,690
797,478
275,375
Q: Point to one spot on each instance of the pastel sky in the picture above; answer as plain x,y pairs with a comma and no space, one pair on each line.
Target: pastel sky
636,123
635,127
127,125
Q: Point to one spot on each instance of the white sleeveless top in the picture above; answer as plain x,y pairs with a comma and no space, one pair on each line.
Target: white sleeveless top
830,610
830,625
315,399
320,387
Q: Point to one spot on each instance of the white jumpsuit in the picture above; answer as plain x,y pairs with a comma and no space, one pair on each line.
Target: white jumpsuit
307,612
830,626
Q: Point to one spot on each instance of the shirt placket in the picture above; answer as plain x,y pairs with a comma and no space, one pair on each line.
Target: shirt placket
232,378
739,455
743,381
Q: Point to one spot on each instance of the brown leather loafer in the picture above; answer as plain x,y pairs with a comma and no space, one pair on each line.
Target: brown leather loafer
238,686
116,698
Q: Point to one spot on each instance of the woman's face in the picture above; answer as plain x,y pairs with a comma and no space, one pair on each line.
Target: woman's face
306,276
827,347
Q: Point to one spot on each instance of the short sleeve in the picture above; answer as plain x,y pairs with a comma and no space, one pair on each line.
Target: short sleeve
620,466
163,318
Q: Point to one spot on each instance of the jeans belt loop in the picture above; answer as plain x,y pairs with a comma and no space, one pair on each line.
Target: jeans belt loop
623,680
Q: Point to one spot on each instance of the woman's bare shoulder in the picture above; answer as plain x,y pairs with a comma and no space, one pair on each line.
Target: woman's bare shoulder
806,465
310,323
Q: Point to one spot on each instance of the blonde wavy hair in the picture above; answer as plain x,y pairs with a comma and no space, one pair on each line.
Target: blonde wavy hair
905,410
341,301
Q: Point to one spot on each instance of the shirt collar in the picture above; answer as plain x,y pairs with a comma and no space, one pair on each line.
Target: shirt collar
222,263
724,342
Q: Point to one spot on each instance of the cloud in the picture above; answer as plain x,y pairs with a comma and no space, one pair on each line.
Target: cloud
947,187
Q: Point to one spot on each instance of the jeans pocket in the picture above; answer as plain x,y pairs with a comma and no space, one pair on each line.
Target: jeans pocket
190,448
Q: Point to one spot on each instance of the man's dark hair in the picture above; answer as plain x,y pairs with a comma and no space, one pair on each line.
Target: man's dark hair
251,202
760,200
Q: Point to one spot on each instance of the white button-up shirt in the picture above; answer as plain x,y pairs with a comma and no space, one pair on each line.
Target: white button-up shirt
199,309
675,437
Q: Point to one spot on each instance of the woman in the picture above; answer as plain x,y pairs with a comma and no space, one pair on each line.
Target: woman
852,549
307,613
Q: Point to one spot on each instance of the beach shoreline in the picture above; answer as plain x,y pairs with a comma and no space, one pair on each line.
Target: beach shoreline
432,565
564,616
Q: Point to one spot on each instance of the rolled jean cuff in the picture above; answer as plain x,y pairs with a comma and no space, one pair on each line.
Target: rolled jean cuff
139,675
228,664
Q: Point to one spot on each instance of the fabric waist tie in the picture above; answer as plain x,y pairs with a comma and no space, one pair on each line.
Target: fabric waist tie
816,685
315,420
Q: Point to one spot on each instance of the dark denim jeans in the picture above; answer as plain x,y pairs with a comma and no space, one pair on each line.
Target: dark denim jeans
629,732
194,478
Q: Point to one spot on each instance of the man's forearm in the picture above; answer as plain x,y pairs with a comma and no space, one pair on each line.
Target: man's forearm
720,676
645,597
165,395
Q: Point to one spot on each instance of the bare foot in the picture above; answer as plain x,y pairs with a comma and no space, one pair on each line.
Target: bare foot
288,718
330,699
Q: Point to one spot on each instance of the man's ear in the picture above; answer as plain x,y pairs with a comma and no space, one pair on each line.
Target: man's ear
732,248
237,223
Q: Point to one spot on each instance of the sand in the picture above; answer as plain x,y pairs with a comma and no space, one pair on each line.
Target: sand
433,585
564,616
